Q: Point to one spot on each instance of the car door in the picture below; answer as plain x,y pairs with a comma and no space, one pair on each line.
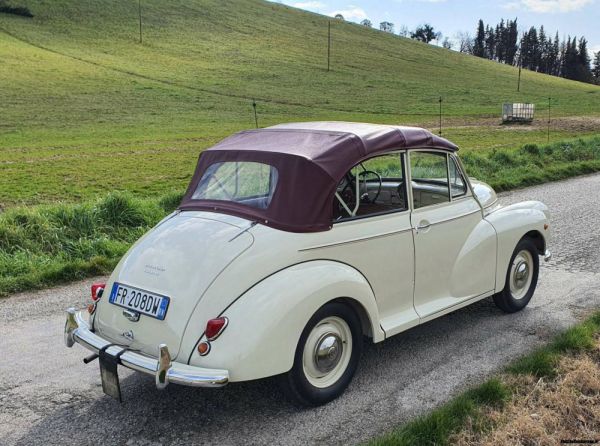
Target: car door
455,248
372,232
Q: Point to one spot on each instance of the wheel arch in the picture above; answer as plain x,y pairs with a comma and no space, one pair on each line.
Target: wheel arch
538,239
266,322
512,224
365,320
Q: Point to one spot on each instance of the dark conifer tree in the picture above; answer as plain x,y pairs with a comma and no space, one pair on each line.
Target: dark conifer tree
479,45
490,43
583,72
512,42
596,69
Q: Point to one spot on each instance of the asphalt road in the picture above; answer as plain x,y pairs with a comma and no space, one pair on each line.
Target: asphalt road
48,396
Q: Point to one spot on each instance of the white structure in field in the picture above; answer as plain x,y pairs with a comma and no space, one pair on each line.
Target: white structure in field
518,112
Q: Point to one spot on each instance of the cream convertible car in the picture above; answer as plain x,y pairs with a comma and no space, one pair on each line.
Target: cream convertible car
293,243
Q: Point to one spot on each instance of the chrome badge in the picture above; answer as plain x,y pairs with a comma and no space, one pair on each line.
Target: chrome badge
128,335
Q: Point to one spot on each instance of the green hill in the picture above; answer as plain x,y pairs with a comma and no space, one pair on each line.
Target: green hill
86,108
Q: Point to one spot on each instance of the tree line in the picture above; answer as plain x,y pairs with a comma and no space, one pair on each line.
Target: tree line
534,50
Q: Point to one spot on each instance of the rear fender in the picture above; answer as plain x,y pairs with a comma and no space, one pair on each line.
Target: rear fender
266,322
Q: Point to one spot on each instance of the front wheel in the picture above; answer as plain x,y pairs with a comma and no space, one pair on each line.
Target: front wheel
326,357
521,278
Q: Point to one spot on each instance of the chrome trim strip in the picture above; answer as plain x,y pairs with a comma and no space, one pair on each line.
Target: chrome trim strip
457,306
476,211
164,370
361,239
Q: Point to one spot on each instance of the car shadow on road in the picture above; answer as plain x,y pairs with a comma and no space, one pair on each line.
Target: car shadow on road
257,412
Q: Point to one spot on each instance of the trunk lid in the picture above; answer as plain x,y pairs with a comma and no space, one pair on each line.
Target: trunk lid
179,259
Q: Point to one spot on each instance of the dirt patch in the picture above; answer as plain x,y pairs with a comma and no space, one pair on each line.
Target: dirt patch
546,412
585,124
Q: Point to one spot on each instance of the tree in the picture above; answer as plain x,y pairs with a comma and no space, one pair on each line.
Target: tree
583,72
403,32
530,49
447,44
500,41
544,51
490,43
511,44
479,43
596,69
569,59
339,17
424,33
367,23
555,56
387,27
465,42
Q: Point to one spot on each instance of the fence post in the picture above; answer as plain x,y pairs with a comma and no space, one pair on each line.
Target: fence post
328,45
255,114
440,100
140,15
549,106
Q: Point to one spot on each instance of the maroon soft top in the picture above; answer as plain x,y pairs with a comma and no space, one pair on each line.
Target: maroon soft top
311,159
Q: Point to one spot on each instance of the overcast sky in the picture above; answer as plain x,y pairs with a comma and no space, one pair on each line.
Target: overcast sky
568,17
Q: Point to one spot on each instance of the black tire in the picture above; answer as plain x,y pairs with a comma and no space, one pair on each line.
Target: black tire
296,383
511,301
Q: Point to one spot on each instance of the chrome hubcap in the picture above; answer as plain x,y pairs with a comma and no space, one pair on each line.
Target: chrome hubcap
327,352
520,274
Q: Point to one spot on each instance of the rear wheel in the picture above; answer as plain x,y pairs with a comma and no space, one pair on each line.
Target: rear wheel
521,278
326,356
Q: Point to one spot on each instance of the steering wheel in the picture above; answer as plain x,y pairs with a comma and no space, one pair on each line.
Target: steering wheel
365,197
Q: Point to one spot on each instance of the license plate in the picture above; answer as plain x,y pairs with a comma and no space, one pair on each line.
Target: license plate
136,299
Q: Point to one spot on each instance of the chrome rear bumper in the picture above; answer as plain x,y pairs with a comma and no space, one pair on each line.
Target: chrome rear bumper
165,371
547,255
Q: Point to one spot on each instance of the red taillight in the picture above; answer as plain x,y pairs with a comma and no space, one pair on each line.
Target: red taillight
97,290
215,327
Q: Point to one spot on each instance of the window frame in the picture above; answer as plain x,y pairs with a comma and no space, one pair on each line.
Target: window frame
402,153
469,193
435,151
460,173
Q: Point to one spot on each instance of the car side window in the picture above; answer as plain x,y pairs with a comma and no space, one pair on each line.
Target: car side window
372,187
457,182
429,175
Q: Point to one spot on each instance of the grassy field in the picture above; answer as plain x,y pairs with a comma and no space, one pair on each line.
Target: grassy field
87,109
54,243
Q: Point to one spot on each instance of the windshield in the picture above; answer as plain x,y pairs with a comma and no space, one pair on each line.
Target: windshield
249,183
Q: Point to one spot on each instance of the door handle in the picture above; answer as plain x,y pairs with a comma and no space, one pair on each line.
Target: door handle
423,226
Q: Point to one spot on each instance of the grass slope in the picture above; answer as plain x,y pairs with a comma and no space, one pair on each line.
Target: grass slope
50,244
87,109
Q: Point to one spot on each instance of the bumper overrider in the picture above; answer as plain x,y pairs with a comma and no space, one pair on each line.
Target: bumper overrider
165,371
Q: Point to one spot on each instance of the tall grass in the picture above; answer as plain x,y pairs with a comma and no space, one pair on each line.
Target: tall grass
49,244
532,164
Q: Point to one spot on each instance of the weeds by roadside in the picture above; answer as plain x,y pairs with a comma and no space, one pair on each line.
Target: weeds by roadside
550,394
532,164
51,244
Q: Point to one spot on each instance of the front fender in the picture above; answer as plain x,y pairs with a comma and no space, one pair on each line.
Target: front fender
512,223
266,322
